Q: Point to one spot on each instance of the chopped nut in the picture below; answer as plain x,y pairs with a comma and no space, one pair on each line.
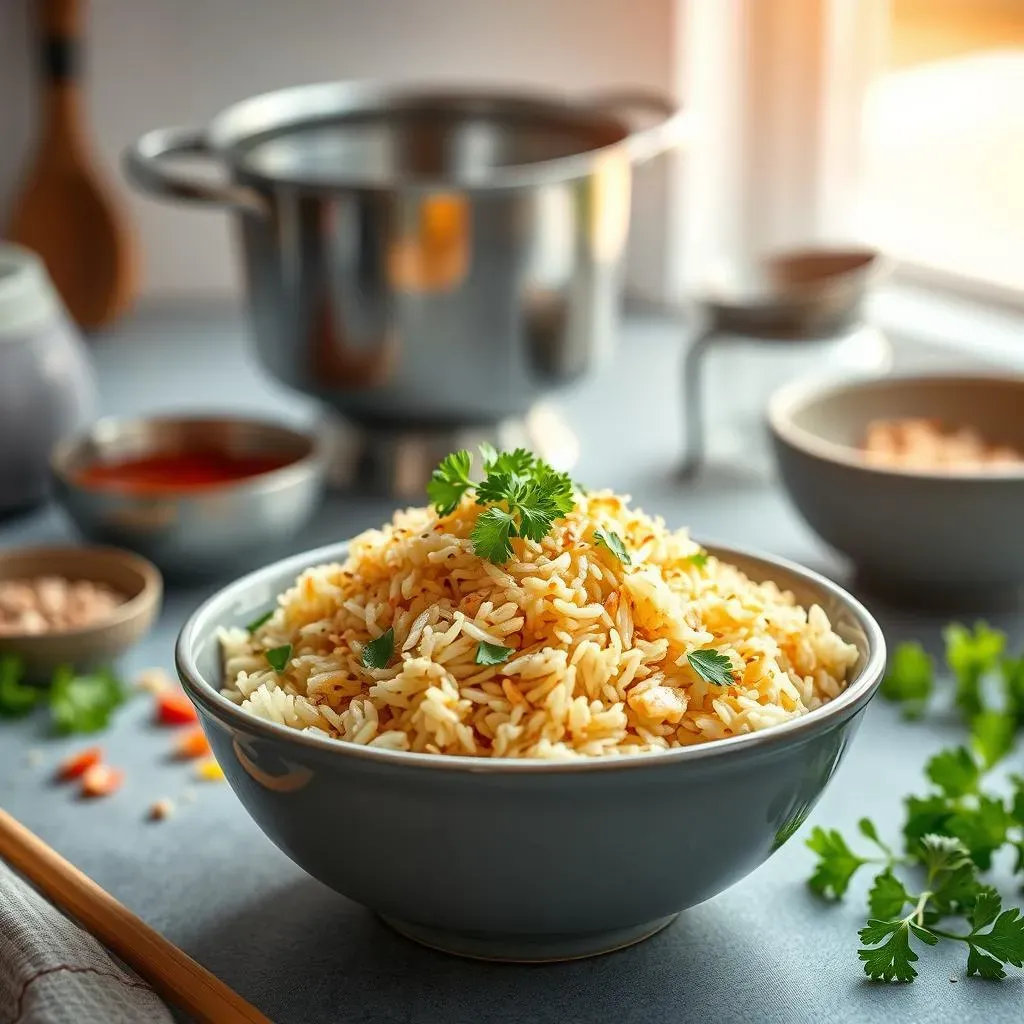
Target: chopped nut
161,810
50,604
153,680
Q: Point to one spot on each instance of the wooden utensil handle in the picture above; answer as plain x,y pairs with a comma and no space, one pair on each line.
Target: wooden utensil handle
60,30
61,17
174,974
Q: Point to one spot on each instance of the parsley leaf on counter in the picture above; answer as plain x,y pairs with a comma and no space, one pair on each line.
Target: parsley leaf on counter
492,654
910,679
278,657
16,698
377,653
837,863
84,703
992,736
712,666
613,542
521,494
972,655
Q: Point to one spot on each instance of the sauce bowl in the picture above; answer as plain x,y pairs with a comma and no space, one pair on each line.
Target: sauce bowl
188,529
520,859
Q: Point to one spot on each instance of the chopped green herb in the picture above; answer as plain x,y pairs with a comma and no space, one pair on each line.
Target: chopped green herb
698,559
16,698
521,495
613,542
256,623
450,481
712,666
972,656
377,653
84,703
278,657
910,679
837,863
492,654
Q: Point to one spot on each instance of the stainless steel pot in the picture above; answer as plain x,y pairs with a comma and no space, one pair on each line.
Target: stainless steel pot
422,260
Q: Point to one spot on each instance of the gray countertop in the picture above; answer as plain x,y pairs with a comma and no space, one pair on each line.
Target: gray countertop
212,883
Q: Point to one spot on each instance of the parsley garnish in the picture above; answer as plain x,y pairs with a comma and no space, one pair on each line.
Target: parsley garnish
951,833
278,657
712,666
16,698
492,654
699,559
256,623
377,653
613,542
522,496
84,703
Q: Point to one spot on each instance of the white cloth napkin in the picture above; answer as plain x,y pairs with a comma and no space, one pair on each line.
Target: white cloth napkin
53,972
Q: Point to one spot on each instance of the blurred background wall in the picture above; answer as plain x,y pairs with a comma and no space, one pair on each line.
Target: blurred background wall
160,62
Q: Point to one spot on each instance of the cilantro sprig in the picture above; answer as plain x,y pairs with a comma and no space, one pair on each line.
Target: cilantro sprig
521,496
951,833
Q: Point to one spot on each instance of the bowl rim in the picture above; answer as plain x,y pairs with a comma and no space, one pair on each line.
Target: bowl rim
791,398
64,452
140,604
858,692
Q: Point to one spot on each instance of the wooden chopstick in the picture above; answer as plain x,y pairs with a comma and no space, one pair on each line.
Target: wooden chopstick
172,973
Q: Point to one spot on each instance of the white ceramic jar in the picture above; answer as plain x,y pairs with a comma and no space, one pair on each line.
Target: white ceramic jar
47,387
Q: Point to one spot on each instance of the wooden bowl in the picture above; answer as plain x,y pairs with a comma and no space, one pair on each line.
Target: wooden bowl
97,644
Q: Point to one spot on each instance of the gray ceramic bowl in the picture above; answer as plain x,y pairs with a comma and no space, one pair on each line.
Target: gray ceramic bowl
230,526
931,538
518,859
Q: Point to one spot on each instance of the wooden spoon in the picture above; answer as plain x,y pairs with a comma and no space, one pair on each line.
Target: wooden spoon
66,212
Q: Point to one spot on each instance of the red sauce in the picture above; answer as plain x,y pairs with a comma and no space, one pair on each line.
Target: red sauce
178,471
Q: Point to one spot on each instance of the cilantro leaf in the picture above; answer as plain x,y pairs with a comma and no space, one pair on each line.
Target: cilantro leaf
16,697
1011,673
925,815
892,960
698,559
836,866
534,521
1017,809
278,657
256,623
492,535
971,655
992,736
954,771
1004,941
613,542
492,654
84,703
942,855
377,653
887,896
450,481
518,462
982,966
982,830
910,679
986,910
712,666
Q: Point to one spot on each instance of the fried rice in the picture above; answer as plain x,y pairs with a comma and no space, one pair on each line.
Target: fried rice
599,662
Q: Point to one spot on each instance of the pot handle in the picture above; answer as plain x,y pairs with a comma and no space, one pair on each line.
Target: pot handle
142,163
650,142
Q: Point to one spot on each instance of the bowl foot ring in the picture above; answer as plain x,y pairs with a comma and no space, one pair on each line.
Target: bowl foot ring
528,949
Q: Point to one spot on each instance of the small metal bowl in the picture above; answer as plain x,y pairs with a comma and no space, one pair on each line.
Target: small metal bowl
220,527
101,642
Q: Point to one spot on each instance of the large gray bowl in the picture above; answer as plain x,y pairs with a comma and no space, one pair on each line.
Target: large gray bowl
520,859
931,538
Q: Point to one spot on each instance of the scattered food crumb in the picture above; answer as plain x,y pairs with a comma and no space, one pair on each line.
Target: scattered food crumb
161,810
192,743
952,979
153,680
34,757
209,770
78,764
188,795
101,780
174,708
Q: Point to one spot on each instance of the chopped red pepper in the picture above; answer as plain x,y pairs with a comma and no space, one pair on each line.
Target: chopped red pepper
192,743
174,708
101,780
77,764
